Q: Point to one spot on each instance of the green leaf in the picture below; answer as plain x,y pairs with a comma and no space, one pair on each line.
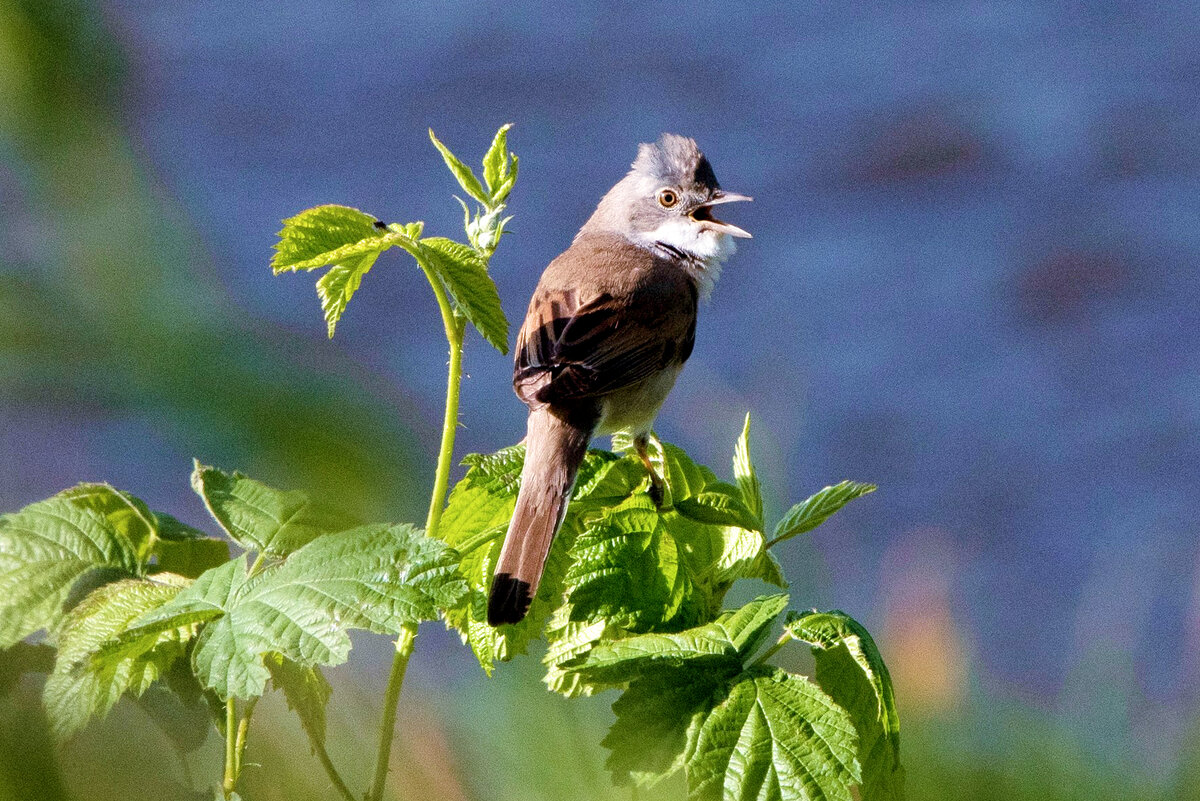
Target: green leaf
80,687
568,640
128,515
260,518
190,557
465,274
179,706
337,286
327,235
719,504
628,569
773,735
851,669
719,647
496,163
746,477
306,690
817,509
475,521
462,173
46,549
657,720
375,577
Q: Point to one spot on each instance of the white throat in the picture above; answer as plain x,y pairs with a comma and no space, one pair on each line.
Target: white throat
704,250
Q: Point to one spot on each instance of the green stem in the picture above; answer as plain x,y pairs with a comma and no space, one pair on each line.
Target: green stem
318,747
230,746
242,730
387,727
783,640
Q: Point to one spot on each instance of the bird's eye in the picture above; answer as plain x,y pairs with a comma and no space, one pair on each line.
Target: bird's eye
667,198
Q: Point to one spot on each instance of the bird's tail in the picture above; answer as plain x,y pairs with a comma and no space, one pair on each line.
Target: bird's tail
554,449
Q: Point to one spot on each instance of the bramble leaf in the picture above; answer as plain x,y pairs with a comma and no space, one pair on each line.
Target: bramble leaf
190,557
772,735
719,647
658,718
80,688
260,518
306,690
814,511
496,164
375,577
475,521
326,235
746,477
465,275
48,549
336,287
462,173
628,569
851,670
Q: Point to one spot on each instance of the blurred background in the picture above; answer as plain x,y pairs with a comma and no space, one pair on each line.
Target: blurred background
973,282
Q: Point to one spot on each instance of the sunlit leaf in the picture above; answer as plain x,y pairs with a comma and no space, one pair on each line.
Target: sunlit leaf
80,687
465,274
814,511
851,670
261,518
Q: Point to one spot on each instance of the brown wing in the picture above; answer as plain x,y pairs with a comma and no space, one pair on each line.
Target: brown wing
571,348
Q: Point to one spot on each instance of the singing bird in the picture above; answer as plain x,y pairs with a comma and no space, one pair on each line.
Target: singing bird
609,327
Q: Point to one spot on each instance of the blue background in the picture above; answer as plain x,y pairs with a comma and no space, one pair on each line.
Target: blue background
972,282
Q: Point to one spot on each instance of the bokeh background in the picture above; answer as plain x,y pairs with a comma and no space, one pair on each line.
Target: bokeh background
973,282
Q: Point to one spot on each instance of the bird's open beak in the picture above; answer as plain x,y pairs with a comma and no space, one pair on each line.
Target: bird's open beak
703,213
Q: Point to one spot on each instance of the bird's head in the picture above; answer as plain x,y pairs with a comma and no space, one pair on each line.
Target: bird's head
667,201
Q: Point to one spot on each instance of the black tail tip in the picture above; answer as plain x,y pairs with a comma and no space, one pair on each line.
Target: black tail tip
509,600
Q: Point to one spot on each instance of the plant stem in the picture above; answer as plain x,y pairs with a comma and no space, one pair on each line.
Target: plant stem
455,328
242,730
387,727
783,640
319,748
230,746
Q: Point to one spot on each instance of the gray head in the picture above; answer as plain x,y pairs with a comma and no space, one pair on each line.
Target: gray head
666,201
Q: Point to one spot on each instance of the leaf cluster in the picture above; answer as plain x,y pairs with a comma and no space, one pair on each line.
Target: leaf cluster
632,598
348,242
132,597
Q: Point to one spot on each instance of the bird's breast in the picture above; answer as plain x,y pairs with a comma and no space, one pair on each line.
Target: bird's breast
634,408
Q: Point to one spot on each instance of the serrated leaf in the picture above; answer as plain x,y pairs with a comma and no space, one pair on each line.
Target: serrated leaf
45,551
375,577
475,521
814,511
260,518
462,173
129,516
773,735
719,647
337,287
719,504
465,274
495,163
80,688
851,669
746,477
657,720
567,640
628,569
327,235
306,690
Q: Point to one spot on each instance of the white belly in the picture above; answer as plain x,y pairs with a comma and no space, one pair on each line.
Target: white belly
634,408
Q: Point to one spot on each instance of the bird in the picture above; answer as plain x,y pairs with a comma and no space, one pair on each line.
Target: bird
609,326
